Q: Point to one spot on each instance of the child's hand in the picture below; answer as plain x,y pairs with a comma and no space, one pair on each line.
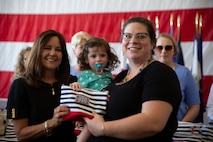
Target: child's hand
76,86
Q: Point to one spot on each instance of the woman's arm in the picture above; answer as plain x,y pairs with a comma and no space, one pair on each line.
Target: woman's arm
24,132
192,98
150,121
210,104
192,113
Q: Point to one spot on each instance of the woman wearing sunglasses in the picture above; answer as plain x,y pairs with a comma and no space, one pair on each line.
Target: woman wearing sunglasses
166,48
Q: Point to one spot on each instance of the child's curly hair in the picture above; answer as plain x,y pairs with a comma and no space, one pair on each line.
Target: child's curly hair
103,44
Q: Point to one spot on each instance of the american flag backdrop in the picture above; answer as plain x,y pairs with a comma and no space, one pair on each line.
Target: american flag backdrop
22,20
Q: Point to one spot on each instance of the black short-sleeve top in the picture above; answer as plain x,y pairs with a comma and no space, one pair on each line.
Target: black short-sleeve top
155,82
37,104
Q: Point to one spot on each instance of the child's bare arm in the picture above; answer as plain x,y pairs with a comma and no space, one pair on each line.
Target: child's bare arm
84,135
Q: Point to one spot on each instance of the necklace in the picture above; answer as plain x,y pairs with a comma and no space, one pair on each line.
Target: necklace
140,70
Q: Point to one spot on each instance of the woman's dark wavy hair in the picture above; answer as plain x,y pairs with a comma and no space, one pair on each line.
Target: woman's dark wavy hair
104,45
34,71
145,22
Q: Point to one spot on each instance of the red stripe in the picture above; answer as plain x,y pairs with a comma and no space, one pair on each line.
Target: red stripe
5,82
19,27
206,85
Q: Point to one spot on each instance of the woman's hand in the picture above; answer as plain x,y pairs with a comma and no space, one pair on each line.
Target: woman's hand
58,114
95,125
76,86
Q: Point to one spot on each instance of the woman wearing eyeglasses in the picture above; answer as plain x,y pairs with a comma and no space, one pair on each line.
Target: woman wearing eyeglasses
143,100
166,48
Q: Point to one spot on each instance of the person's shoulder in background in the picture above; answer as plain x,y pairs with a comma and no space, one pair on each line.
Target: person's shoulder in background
209,106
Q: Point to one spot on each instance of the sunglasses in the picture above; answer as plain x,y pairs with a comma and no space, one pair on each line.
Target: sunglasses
167,47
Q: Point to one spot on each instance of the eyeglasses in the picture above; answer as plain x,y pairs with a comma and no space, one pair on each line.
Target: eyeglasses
167,47
139,36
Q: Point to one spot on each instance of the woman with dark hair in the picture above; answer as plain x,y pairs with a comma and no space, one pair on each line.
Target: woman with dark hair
34,98
144,100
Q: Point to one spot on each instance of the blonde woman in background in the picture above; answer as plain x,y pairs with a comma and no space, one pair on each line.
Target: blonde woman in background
77,42
166,48
21,63
20,68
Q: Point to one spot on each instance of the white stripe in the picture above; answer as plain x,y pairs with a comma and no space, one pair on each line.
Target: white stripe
196,70
9,54
96,6
73,95
69,95
10,50
90,107
67,99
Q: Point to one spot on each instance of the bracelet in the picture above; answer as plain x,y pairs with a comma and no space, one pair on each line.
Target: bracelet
102,129
47,131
